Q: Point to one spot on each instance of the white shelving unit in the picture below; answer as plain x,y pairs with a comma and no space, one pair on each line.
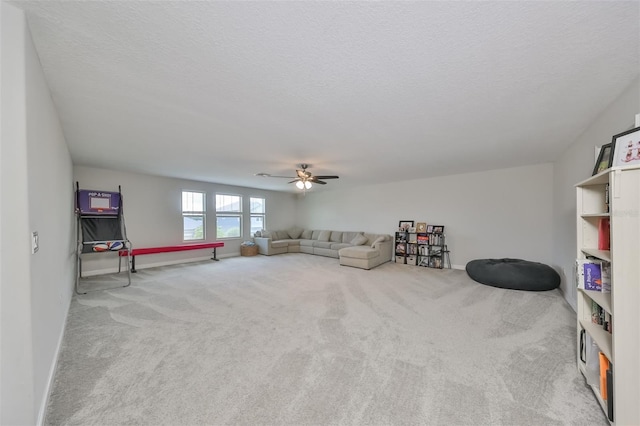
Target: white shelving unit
622,346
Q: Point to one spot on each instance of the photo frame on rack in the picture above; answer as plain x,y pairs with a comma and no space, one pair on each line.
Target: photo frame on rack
404,225
438,229
421,227
626,151
605,158
429,229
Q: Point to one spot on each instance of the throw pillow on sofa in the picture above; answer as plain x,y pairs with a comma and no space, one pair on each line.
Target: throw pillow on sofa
378,240
294,233
324,236
281,235
266,234
359,240
306,234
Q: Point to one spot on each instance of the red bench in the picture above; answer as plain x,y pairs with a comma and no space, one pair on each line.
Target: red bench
167,249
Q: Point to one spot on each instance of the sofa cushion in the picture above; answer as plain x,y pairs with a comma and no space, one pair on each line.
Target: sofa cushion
306,234
315,235
336,237
267,234
278,244
323,244
294,232
307,243
359,252
338,246
359,240
324,236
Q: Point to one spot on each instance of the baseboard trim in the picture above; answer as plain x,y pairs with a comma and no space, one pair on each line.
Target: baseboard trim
154,265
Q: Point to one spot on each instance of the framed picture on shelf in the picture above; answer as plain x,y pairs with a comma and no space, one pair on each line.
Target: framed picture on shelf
421,227
626,150
438,229
429,229
412,230
404,225
605,158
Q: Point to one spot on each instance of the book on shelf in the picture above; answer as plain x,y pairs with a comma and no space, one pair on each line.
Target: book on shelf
609,382
607,322
601,317
593,274
596,313
592,280
435,239
604,366
603,234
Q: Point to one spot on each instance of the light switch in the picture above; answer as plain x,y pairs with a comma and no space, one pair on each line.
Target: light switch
34,242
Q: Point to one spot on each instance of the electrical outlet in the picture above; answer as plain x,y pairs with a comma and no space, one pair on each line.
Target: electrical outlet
34,242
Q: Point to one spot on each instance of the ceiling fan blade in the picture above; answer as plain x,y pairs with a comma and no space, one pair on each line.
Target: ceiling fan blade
295,180
320,182
326,177
275,176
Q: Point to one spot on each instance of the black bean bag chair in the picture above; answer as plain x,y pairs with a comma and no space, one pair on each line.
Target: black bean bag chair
514,274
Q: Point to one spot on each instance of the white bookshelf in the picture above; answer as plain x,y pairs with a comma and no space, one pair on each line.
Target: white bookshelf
622,345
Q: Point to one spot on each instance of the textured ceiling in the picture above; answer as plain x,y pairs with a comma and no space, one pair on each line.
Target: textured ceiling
371,91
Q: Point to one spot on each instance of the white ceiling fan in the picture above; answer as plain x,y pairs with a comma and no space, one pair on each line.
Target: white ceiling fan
304,179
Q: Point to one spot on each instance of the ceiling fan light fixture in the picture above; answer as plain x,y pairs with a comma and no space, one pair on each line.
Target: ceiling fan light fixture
304,179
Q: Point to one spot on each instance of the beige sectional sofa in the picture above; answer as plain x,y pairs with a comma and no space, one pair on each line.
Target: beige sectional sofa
358,249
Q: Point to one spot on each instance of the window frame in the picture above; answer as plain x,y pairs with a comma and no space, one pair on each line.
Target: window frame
194,213
229,214
263,215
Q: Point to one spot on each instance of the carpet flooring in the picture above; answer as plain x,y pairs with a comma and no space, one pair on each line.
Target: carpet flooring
297,339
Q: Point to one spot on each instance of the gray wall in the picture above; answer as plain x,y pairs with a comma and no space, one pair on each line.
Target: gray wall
575,165
499,213
153,215
37,195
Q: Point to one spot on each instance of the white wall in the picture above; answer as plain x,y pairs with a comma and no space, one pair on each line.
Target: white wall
17,404
36,192
494,214
50,188
575,165
153,215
